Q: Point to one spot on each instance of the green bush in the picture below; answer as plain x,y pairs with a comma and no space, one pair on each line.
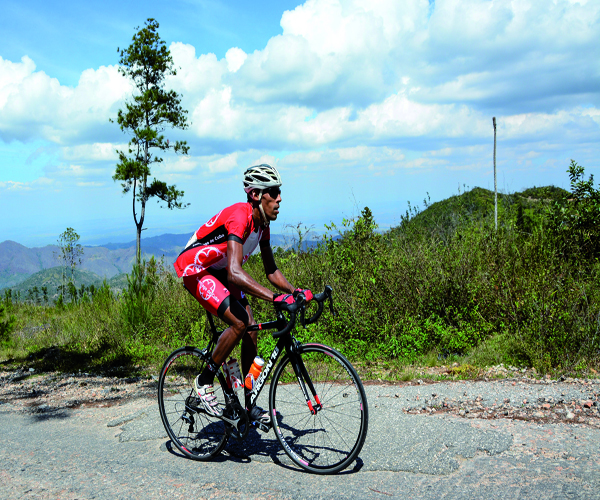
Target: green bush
575,221
139,294
6,325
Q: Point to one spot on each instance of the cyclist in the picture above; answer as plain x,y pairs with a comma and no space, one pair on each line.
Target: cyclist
211,268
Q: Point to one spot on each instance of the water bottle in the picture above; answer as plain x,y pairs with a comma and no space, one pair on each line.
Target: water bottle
254,372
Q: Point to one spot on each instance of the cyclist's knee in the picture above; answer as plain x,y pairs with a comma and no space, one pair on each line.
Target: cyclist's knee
240,318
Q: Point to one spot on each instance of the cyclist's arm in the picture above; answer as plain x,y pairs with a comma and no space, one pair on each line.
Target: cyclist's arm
274,275
240,278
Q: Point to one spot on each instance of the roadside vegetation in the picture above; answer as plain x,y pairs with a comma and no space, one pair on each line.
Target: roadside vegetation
443,287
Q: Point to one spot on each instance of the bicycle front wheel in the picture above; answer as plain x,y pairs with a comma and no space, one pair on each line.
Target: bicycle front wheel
195,433
326,438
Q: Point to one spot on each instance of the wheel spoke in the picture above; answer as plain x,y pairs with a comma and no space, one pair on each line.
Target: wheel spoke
329,440
176,398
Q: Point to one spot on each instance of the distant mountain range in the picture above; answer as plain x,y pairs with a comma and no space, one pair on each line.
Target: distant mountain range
51,279
22,268
18,263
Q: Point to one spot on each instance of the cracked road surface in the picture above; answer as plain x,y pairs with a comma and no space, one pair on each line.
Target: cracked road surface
122,452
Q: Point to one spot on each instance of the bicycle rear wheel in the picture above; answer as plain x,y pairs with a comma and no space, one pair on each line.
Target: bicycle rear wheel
328,437
196,434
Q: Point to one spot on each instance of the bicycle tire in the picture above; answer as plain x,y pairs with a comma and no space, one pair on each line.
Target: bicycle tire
329,440
201,437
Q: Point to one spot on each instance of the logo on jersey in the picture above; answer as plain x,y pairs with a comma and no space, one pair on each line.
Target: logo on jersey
212,221
206,253
206,288
192,269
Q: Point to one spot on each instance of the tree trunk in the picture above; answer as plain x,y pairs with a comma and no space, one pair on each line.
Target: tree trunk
143,200
138,226
141,225
138,244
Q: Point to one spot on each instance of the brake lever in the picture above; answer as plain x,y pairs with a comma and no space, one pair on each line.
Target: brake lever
301,301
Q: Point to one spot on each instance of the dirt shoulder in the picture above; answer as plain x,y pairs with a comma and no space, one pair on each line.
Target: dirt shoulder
32,392
521,397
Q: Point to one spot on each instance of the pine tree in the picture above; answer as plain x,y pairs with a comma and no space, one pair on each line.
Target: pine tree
147,62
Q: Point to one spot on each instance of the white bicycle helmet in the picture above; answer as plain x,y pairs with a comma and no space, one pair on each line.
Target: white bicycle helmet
261,177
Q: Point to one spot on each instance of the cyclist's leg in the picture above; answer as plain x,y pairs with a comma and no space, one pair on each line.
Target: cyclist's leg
216,299
249,339
249,342
249,352
236,316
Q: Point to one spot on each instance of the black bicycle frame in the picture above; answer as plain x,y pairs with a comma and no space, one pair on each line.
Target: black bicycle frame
288,343
285,343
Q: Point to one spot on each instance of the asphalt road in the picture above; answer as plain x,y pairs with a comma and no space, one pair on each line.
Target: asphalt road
123,452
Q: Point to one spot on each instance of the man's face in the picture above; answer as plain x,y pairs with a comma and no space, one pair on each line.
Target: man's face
270,202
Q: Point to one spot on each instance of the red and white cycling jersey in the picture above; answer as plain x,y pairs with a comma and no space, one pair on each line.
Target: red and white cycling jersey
208,245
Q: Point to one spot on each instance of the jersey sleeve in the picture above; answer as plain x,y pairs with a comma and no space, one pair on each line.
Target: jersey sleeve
237,223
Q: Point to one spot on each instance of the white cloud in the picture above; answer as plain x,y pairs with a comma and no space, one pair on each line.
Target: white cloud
328,54
224,164
235,57
216,115
15,186
71,171
176,164
302,158
35,106
41,183
359,69
343,70
347,76
105,151
355,153
267,158
196,76
91,184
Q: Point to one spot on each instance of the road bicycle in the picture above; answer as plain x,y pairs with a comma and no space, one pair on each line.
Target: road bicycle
317,403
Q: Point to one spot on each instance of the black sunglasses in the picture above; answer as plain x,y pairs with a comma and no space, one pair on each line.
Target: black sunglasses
273,192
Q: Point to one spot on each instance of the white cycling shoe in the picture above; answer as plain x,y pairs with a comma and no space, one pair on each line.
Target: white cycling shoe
207,397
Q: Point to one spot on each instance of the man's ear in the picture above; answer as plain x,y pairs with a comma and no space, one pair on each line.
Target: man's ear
255,194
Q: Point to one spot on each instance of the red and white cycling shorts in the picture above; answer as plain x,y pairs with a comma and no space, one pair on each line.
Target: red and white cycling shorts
209,290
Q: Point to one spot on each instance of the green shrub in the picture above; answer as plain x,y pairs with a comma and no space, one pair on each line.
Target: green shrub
575,221
6,325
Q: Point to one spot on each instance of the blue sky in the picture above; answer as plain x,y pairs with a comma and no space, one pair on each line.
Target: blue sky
358,103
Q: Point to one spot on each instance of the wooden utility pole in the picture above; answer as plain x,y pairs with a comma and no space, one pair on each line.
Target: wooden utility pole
495,185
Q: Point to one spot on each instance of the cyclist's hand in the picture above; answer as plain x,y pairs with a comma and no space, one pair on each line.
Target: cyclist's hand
280,299
308,295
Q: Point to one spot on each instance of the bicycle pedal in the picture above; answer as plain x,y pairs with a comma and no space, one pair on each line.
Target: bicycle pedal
263,427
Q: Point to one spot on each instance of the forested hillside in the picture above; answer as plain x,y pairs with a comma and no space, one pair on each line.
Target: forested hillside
444,285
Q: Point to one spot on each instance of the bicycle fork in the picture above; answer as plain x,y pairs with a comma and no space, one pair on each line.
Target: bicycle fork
304,380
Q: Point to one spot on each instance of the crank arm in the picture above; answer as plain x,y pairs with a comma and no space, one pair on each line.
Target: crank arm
233,423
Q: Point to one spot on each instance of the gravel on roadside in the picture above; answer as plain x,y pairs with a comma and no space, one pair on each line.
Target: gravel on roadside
32,392
575,401
519,396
